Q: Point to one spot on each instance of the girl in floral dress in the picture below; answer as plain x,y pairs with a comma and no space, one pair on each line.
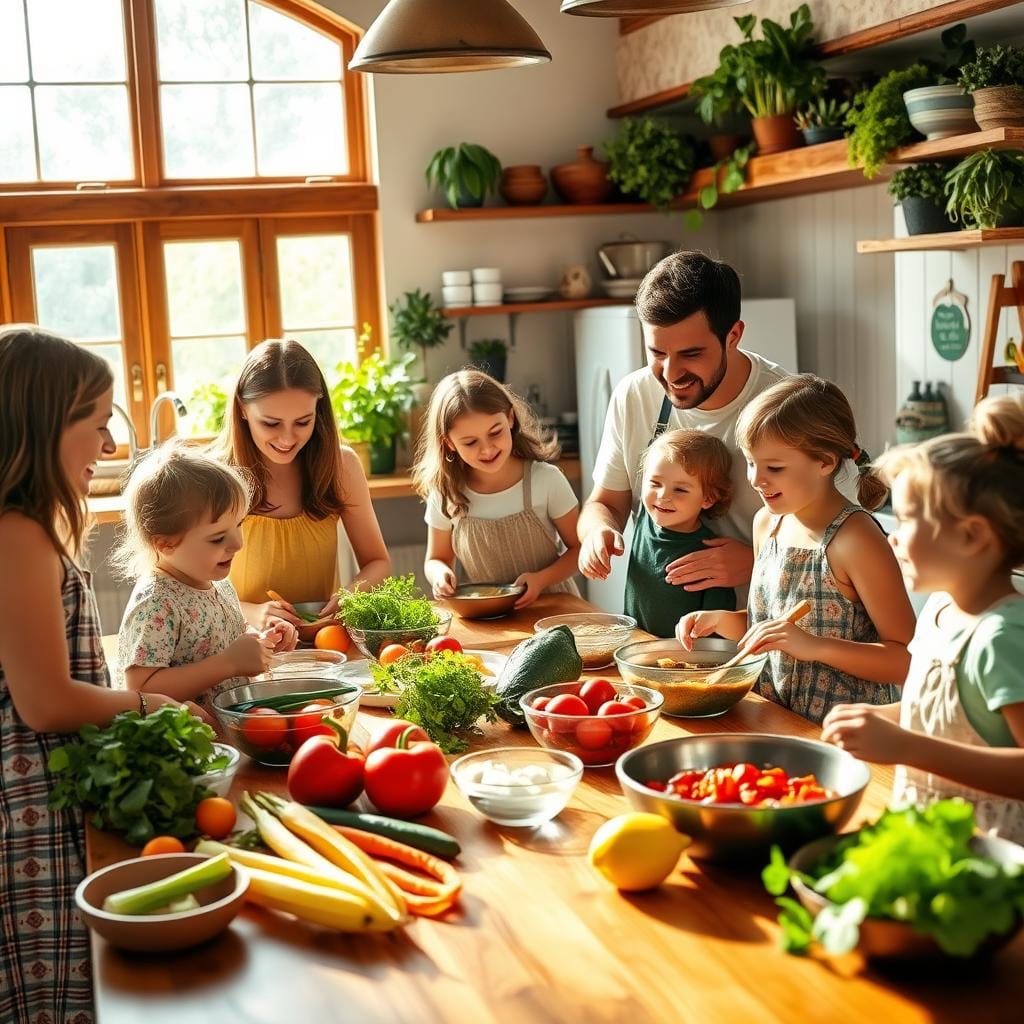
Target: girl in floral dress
53,678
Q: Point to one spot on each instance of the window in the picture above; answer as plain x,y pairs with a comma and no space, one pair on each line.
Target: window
181,179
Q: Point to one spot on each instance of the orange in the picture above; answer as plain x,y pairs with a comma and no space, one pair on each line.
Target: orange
215,817
163,844
392,652
332,638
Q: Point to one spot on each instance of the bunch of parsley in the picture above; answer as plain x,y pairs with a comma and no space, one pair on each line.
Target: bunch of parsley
393,604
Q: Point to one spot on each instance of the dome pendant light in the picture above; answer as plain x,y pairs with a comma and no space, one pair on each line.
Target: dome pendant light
412,37
633,8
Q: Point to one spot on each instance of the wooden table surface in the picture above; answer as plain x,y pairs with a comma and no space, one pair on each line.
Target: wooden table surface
540,936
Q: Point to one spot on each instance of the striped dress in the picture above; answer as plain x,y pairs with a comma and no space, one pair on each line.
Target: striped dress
45,972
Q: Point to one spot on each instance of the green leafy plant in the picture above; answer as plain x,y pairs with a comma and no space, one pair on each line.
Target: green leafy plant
957,51
878,118
823,112
920,181
993,66
727,176
393,604
716,93
489,355
464,172
138,775
208,406
650,161
416,321
986,187
371,399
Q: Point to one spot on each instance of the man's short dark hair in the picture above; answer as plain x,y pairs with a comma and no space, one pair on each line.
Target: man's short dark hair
689,282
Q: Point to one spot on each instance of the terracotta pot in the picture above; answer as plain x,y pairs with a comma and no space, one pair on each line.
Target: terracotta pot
585,180
1001,106
523,186
722,145
776,133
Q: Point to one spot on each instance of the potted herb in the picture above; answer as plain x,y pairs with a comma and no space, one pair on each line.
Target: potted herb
986,190
416,321
940,109
823,120
208,406
920,190
371,402
650,161
466,173
727,176
995,80
718,103
490,356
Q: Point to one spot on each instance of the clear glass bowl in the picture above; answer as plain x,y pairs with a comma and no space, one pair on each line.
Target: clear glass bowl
370,641
597,634
310,663
518,804
220,780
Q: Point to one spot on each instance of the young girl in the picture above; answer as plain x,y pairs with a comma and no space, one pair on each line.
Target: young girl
281,430
494,501
53,678
685,479
810,542
959,729
183,631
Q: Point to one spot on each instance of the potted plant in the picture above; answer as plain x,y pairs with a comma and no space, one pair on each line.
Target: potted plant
823,120
371,402
995,80
986,189
650,161
207,407
490,356
718,103
416,321
466,173
940,109
727,176
920,190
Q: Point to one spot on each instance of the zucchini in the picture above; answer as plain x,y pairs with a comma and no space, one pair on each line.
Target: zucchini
421,837
291,701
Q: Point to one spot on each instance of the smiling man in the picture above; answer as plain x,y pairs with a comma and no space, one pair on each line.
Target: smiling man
696,378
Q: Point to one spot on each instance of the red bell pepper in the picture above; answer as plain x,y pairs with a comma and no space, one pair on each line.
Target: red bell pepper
325,771
388,736
408,778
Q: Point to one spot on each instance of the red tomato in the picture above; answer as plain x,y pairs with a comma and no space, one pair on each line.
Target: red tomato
264,727
392,652
540,703
596,692
565,704
408,779
614,708
325,771
309,722
593,734
388,735
443,643
635,702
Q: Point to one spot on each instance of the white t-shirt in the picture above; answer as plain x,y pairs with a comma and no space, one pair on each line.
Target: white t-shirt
552,496
633,415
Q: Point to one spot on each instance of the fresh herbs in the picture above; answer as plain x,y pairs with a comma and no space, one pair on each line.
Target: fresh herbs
650,161
416,321
920,181
443,693
371,398
138,774
913,866
993,67
987,188
394,604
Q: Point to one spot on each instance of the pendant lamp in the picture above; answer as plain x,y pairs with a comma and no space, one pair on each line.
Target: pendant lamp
413,37
632,8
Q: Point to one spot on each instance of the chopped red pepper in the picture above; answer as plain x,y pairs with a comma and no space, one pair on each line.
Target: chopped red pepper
744,783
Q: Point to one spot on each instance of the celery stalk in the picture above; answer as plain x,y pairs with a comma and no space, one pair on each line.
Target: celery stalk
145,898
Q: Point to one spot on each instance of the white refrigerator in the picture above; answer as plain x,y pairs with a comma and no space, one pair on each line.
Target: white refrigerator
609,345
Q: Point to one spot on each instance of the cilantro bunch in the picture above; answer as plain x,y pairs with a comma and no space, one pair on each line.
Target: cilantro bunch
393,604
138,775
915,866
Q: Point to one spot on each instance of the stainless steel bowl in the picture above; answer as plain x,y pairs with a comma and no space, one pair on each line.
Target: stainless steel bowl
484,600
732,832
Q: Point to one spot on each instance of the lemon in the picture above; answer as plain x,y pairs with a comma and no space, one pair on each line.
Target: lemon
636,851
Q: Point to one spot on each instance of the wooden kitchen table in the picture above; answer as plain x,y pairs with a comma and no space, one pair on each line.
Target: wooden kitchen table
540,936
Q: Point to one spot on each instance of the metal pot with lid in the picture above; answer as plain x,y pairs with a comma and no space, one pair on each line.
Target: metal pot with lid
630,258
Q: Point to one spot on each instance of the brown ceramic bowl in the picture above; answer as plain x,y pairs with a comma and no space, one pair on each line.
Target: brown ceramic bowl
523,185
159,933
585,180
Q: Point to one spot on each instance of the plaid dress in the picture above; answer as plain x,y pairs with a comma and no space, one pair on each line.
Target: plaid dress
45,972
783,576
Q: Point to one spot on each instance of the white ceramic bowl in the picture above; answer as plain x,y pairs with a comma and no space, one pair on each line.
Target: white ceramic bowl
220,780
456,277
486,275
457,294
487,293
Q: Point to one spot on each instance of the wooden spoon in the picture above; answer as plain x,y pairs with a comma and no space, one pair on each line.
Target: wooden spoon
797,612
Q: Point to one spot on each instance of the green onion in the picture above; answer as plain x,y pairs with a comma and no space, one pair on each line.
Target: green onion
145,898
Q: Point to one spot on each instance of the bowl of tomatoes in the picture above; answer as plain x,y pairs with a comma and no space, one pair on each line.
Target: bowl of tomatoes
270,719
736,794
596,719
372,641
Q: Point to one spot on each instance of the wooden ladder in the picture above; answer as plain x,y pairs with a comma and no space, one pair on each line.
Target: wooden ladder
1000,297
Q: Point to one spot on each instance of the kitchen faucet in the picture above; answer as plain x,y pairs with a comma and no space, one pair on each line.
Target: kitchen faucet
133,437
154,413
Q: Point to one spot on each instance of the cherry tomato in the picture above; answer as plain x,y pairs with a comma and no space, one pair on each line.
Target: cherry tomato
215,817
593,733
443,643
391,653
163,844
635,702
614,708
540,703
264,727
309,722
565,704
596,692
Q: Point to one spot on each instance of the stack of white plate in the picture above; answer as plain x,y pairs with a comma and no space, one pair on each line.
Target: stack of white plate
621,287
531,293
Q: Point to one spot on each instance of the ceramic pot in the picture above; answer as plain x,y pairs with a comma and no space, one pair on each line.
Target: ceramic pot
776,133
722,145
523,186
382,457
585,180
925,216
821,133
1001,106
939,111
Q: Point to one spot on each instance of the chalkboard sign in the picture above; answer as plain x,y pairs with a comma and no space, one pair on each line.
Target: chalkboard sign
950,324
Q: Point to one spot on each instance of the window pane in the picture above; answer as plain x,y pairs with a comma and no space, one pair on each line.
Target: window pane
114,354
202,41
76,290
300,129
283,48
204,288
83,132
13,49
76,41
198,362
328,348
17,154
207,131
316,280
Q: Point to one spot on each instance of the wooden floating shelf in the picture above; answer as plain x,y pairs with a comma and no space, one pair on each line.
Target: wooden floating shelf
1007,375
945,241
519,212
455,312
959,145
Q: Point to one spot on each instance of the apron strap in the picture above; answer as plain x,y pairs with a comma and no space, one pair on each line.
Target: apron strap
527,490
662,425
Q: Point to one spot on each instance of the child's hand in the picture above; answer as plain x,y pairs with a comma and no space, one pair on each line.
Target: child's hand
444,583
281,635
694,625
596,553
863,731
270,610
248,655
534,584
780,635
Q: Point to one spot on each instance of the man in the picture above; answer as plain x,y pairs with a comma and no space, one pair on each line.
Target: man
696,378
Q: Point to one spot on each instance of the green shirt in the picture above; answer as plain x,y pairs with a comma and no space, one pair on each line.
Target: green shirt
656,605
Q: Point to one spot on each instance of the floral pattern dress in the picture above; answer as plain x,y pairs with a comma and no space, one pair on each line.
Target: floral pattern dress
45,972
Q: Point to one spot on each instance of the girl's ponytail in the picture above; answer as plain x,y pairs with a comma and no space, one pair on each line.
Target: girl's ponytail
871,488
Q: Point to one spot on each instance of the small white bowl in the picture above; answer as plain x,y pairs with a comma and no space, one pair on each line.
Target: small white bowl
487,293
220,780
456,277
457,294
486,275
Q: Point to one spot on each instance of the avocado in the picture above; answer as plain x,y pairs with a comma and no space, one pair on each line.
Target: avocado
544,658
